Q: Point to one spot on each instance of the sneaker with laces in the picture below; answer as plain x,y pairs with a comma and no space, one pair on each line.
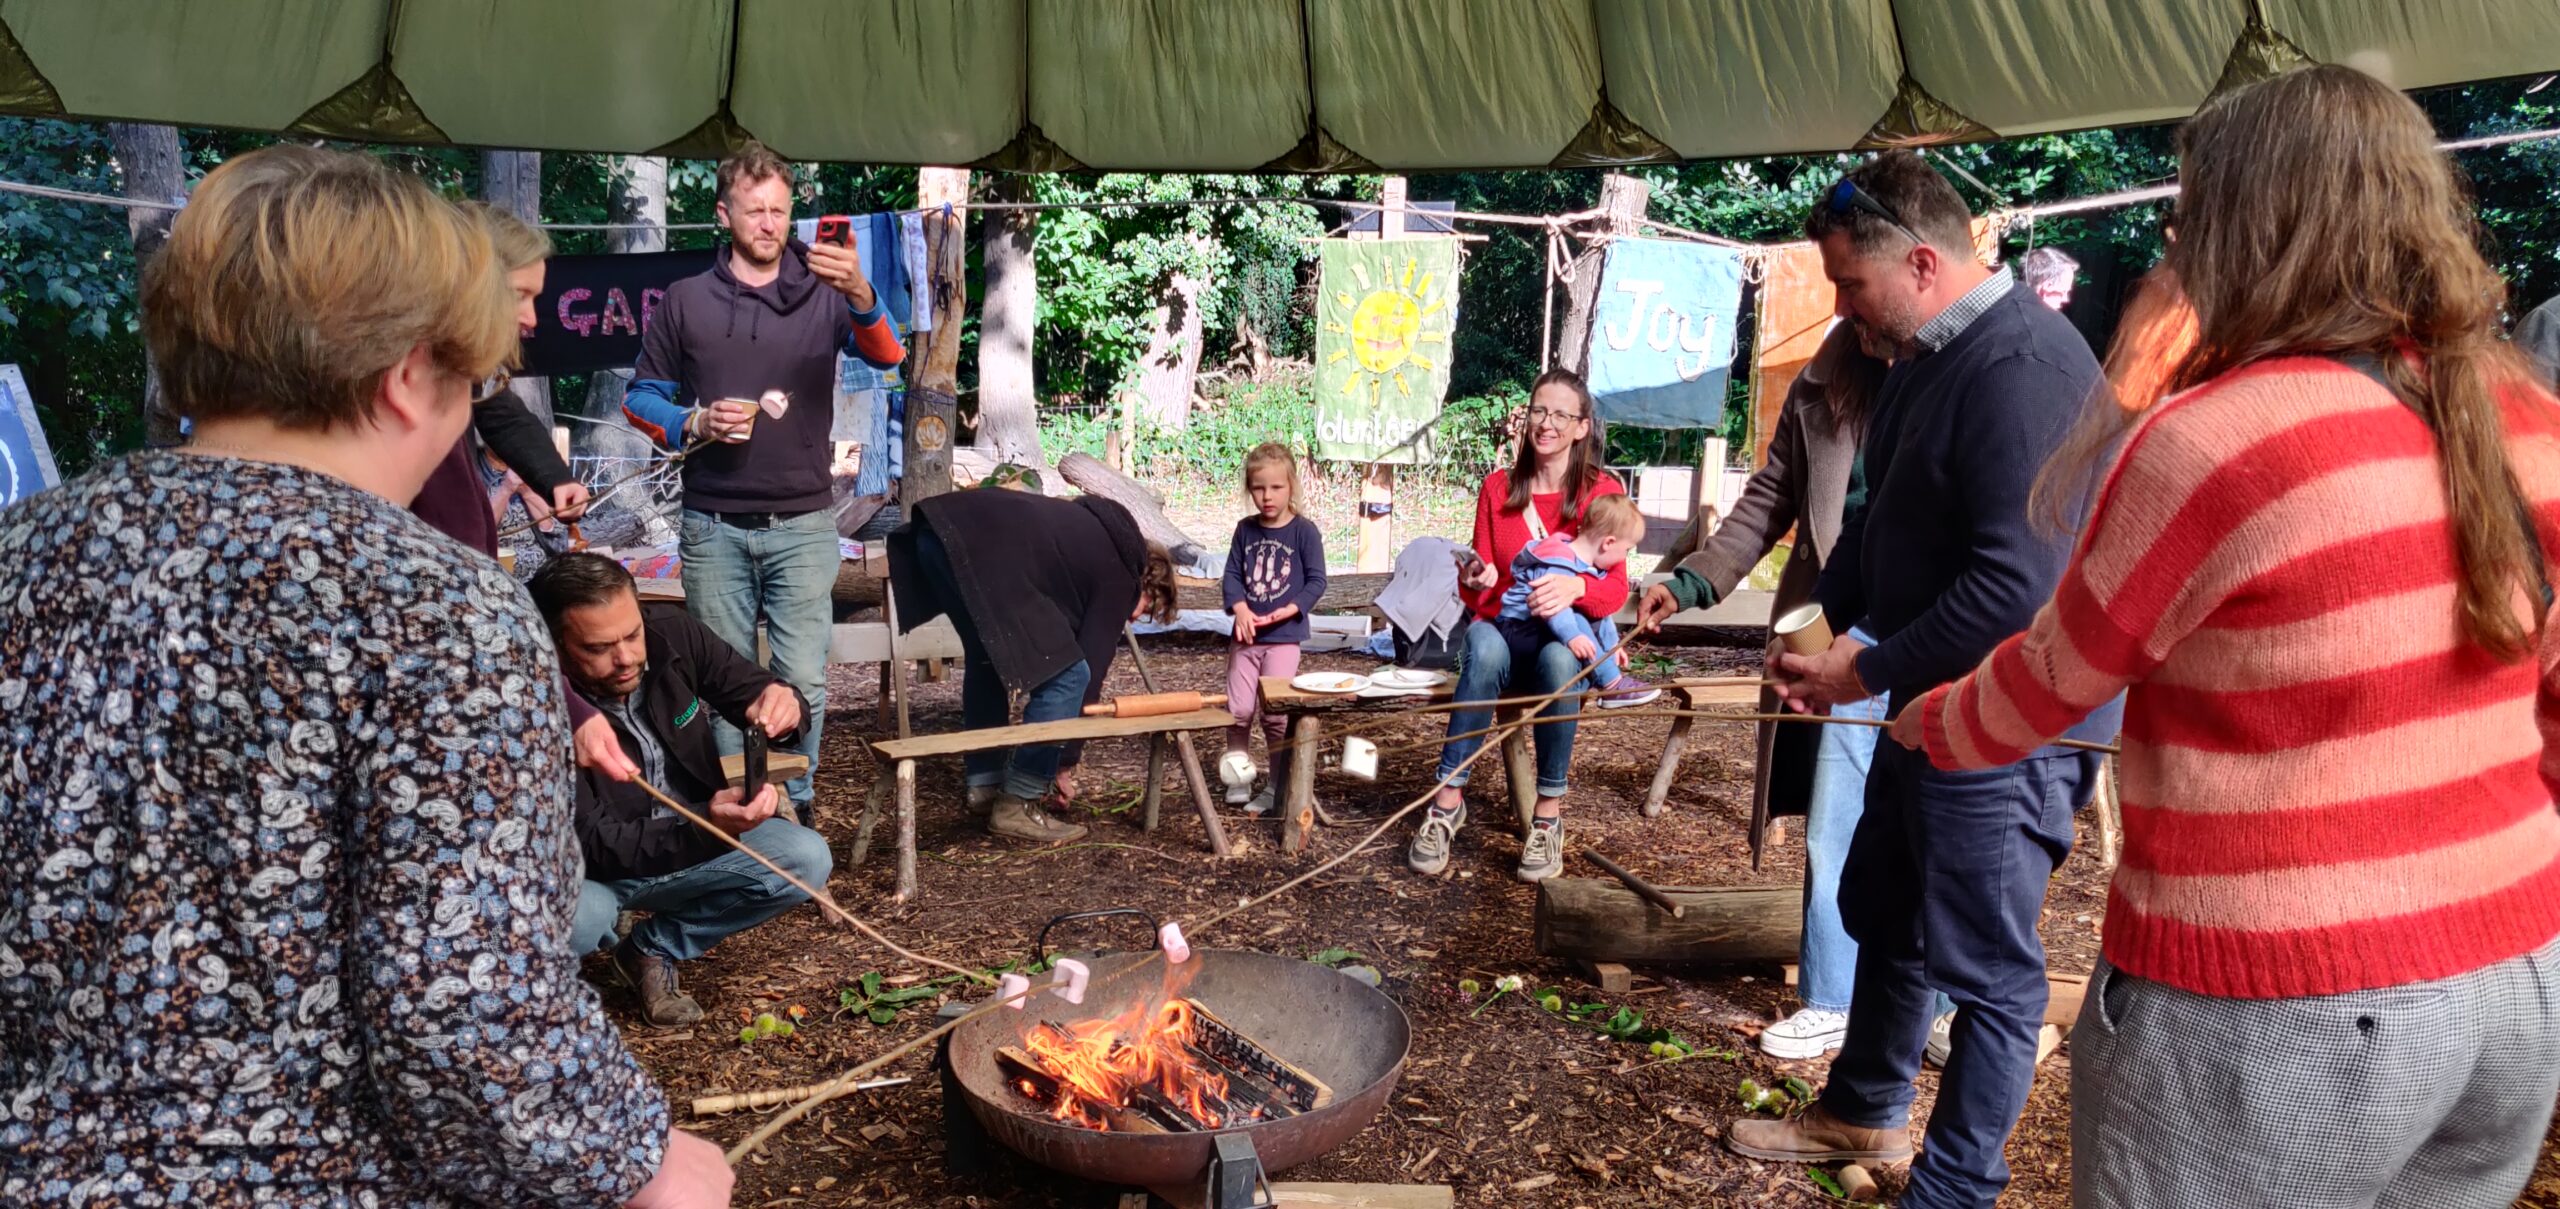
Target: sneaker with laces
1627,691
1810,1033
1942,1040
1542,854
1429,853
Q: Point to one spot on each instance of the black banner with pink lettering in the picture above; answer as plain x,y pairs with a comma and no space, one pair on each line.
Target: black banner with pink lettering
593,308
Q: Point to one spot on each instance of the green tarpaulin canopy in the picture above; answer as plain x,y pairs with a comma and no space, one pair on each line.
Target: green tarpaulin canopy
1214,85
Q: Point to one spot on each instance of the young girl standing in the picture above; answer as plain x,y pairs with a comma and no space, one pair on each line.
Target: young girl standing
1275,575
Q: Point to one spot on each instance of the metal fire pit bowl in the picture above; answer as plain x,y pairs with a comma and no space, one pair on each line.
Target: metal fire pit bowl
1338,1029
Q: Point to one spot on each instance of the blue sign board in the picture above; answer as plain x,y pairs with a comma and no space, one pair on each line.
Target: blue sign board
26,459
1662,334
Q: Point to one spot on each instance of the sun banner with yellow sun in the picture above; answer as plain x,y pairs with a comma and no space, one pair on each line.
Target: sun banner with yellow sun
1383,320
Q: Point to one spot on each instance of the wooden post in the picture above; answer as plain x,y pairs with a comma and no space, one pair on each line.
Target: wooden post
906,831
1298,817
1154,795
933,368
1671,745
1711,455
1378,487
1520,768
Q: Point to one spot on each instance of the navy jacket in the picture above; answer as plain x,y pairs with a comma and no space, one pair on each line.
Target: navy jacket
1941,563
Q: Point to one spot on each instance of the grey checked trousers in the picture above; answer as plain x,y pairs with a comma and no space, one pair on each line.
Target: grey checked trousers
2435,1094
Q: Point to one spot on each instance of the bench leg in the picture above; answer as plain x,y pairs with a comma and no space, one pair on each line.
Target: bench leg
1520,768
1153,798
1661,791
1200,796
887,711
1298,822
871,802
906,832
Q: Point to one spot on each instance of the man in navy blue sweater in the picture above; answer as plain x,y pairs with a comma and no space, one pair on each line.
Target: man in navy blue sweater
1946,873
739,365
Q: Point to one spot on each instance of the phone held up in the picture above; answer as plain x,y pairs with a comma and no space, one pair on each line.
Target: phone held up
836,229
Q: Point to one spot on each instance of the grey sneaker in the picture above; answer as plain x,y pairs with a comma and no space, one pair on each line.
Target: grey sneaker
1262,802
1942,1040
1015,819
1542,854
1429,853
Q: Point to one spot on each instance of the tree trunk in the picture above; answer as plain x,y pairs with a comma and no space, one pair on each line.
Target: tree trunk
933,365
512,181
1086,472
1170,366
1597,919
635,192
1008,400
150,159
1623,197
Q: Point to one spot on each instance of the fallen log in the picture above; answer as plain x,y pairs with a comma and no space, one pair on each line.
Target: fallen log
1593,919
1090,475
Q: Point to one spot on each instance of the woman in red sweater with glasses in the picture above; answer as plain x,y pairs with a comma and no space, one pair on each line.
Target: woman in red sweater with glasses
1555,476
2320,575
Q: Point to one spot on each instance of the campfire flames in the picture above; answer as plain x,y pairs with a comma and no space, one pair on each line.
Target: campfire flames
1136,1062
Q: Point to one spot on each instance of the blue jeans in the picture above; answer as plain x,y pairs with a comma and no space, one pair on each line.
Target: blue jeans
1842,754
1024,772
1943,885
694,909
1491,667
785,577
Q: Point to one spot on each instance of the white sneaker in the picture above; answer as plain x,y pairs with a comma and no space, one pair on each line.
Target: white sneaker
1263,800
1236,769
1810,1033
1942,1040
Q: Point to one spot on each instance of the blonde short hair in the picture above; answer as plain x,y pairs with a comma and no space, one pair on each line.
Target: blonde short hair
296,277
519,244
1613,515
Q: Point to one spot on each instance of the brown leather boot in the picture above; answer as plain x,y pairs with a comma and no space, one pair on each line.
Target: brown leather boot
1015,819
1818,1137
662,999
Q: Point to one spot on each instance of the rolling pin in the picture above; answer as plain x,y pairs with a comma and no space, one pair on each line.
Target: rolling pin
1149,705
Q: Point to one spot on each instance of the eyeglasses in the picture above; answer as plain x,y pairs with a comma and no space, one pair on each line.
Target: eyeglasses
1548,415
491,387
1846,197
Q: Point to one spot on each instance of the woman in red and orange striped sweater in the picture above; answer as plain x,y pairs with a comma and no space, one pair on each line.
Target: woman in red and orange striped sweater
2330,959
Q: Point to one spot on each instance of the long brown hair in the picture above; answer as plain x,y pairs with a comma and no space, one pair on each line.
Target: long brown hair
1582,468
1847,377
2317,218
2156,335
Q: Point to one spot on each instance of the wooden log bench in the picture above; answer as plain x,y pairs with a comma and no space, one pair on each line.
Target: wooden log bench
899,756
1293,767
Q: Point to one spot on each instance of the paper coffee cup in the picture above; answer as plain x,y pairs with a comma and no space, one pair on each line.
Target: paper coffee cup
1803,630
740,436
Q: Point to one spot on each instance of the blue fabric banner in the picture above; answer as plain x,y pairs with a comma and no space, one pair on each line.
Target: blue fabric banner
1661,347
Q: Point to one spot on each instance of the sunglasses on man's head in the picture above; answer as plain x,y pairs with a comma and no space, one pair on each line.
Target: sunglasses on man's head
1847,197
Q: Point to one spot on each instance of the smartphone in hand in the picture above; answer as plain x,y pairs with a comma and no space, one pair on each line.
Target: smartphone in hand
836,229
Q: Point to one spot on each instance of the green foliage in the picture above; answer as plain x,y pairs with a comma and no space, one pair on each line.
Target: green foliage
869,999
1331,958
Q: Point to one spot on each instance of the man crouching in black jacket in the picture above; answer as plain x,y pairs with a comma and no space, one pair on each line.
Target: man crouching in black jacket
659,675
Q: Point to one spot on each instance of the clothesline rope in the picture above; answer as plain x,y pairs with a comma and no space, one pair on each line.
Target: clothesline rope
1359,209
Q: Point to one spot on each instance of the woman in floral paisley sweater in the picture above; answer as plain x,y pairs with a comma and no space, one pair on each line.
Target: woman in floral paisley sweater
284,793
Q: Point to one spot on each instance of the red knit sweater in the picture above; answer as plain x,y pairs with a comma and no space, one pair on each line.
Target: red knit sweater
1501,536
2327,788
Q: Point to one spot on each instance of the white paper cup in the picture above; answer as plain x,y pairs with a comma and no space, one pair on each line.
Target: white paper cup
1803,630
740,436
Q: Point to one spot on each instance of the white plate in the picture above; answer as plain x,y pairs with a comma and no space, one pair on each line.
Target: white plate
1407,678
1329,682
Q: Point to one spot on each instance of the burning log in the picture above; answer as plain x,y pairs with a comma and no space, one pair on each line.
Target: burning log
1177,1069
1228,1048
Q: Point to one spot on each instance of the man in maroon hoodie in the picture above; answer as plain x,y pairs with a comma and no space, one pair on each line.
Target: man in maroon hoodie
765,324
